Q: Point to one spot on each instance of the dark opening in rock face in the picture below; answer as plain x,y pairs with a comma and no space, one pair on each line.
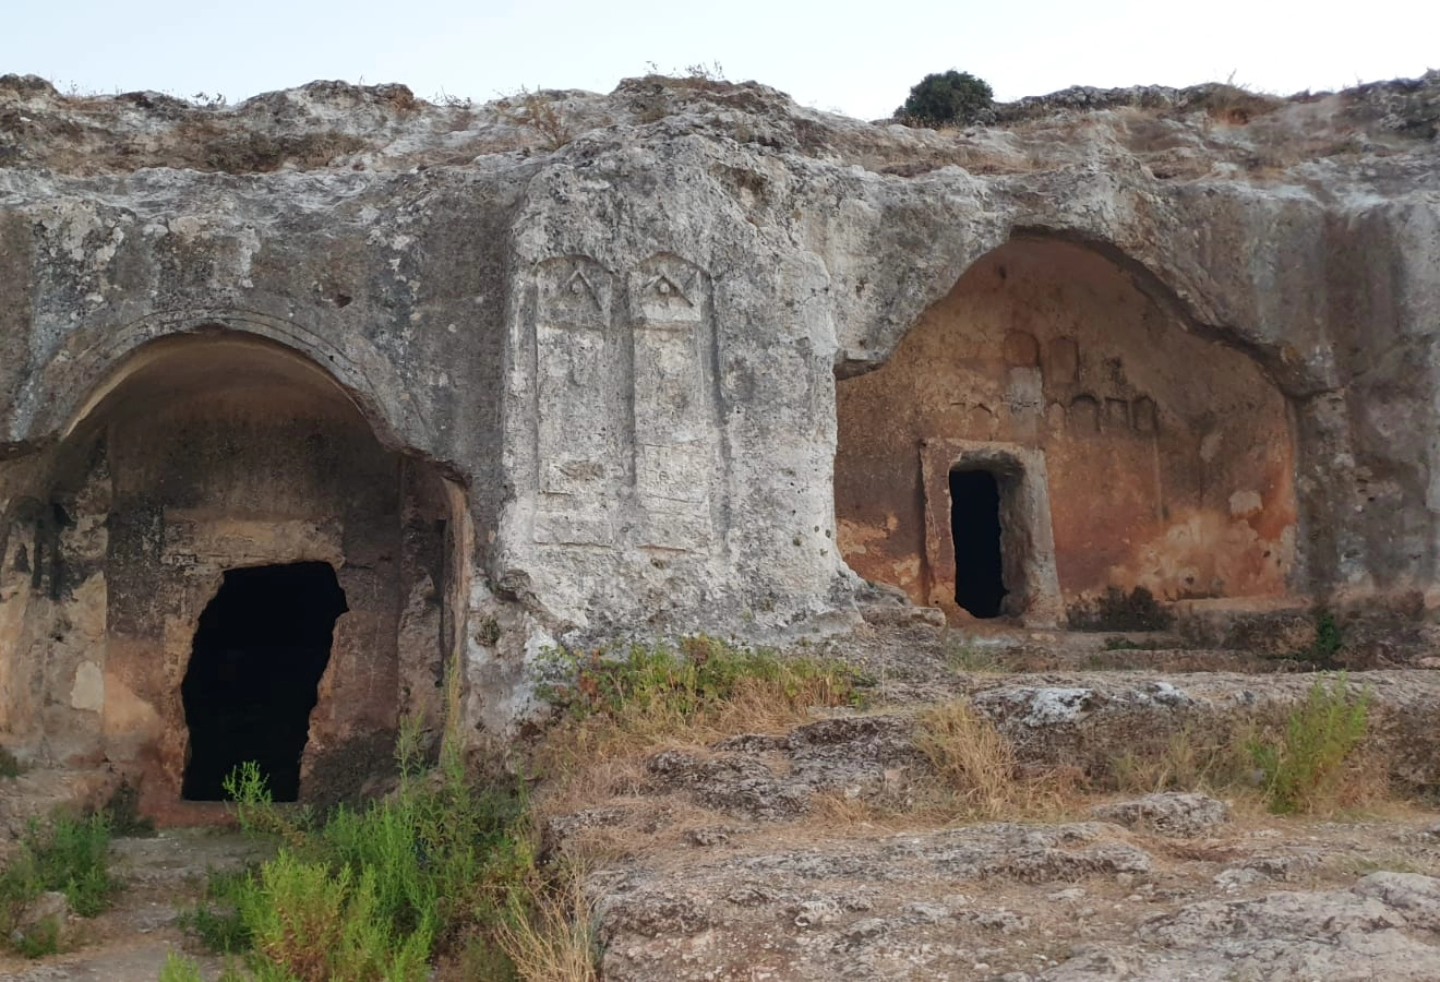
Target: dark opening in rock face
260,649
975,526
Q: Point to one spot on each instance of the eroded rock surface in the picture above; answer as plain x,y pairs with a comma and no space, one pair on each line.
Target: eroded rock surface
875,906
1021,903
688,357
1178,813
737,859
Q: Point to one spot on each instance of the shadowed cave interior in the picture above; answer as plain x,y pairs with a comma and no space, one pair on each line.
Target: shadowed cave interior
975,526
260,649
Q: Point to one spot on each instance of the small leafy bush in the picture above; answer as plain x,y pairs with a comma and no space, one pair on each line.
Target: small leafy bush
256,812
42,939
950,98
1329,641
1302,769
71,857
536,111
376,893
217,920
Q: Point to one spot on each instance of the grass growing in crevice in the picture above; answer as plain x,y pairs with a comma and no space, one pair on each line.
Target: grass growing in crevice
1121,643
1305,767
1308,759
964,657
1194,758
71,856
555,940
1116,610
613,703
978,773
122,811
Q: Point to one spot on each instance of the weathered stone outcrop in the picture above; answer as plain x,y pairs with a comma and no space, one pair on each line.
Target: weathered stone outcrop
568,366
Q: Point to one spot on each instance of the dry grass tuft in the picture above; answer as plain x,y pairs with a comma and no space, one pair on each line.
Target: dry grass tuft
1196,758
556,942
978,772
619,709
970,756
537,111
1236,105
587,782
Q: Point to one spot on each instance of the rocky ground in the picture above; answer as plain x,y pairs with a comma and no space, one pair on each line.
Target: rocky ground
809,851
804,855
1250,899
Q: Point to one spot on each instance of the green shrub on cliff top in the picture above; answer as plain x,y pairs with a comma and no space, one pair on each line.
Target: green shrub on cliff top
947,99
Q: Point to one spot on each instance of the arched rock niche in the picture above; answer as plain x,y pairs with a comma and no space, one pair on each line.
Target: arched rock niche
1158,458
203,453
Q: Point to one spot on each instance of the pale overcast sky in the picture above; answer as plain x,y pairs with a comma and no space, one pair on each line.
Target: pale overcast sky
858,58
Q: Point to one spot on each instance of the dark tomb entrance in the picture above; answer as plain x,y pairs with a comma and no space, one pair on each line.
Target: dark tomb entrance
259,652
976,529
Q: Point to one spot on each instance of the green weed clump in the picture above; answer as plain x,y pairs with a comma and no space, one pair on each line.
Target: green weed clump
178,968
377,893
75,860
217,920
40,940
1329,642
72,857
1213,758
315,922
1304,767
704,675
616,704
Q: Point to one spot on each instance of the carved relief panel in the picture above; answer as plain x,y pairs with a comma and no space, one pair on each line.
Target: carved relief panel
578,416
675,425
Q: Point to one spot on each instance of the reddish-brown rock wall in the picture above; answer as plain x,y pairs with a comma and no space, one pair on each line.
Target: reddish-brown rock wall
1169,456
205,455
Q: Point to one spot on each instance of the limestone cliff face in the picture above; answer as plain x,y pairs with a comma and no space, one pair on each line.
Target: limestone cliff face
611,345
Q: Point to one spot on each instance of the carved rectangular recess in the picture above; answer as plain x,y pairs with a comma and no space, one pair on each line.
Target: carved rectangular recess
1027,541
676,431
578,411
